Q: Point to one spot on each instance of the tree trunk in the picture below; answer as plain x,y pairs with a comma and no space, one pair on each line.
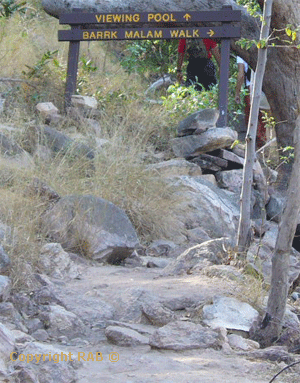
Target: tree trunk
244,235
272,323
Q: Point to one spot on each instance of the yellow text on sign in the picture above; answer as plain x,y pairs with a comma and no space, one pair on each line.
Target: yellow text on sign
99,35
158,17
156,34
119,18
184,33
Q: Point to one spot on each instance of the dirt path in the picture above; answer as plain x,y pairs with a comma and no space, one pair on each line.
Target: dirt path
112,288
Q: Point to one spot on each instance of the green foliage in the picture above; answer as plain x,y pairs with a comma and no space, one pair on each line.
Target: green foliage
85,68
40,68
156,56
181,100
9,7
253,7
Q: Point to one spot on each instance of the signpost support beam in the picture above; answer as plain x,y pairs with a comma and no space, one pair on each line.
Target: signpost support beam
71,81
223,85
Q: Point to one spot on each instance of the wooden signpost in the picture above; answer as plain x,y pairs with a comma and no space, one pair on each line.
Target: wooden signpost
151,26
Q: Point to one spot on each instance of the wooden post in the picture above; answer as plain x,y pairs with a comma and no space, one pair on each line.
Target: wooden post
73,58
224,78
223,85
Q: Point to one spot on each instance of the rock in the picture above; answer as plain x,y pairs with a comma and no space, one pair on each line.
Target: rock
213,138
209,162
229,313
8,147
33,324
58,321
223,271
40,335
213,250
59,369
56,262
21,337
274,353
125,336
44,191
7,345
84,102
198,122
160,248
237,342
4,261
5,286
239,150
274,208
197,235
175,167
10,316
203,205
210,178
157,314
143,329
231,180
42,153
181,335
92,226
149,261
259,257
59,142
46,109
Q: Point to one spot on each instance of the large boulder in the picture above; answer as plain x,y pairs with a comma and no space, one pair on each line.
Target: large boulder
207,141
182,335
91,225
198,122
229,313
206,206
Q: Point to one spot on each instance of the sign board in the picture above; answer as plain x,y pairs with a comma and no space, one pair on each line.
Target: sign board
225,31
151,26
149,17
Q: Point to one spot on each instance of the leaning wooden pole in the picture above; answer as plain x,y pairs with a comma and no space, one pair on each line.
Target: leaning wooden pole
244,228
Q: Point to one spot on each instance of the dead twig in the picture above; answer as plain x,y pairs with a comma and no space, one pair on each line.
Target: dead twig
8,79
285,368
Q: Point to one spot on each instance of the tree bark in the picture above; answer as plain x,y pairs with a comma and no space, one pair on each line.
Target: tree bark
272,323
244,235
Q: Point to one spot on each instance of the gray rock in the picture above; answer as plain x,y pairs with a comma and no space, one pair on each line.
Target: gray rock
274,353
44,191
7,345
40,335
198,122
59,142
182,335
91,225
213,138
8,147
59,321
4,261
224,271
143,329
209,162
5,286
56,262
175,167
125,336
8,314
229,313
61,368
259,257
33,324
274,208
157,314
231,180
197,235
203,205
213,250
237,342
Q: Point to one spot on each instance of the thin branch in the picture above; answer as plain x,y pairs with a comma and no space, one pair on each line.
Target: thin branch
8,79
285,368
